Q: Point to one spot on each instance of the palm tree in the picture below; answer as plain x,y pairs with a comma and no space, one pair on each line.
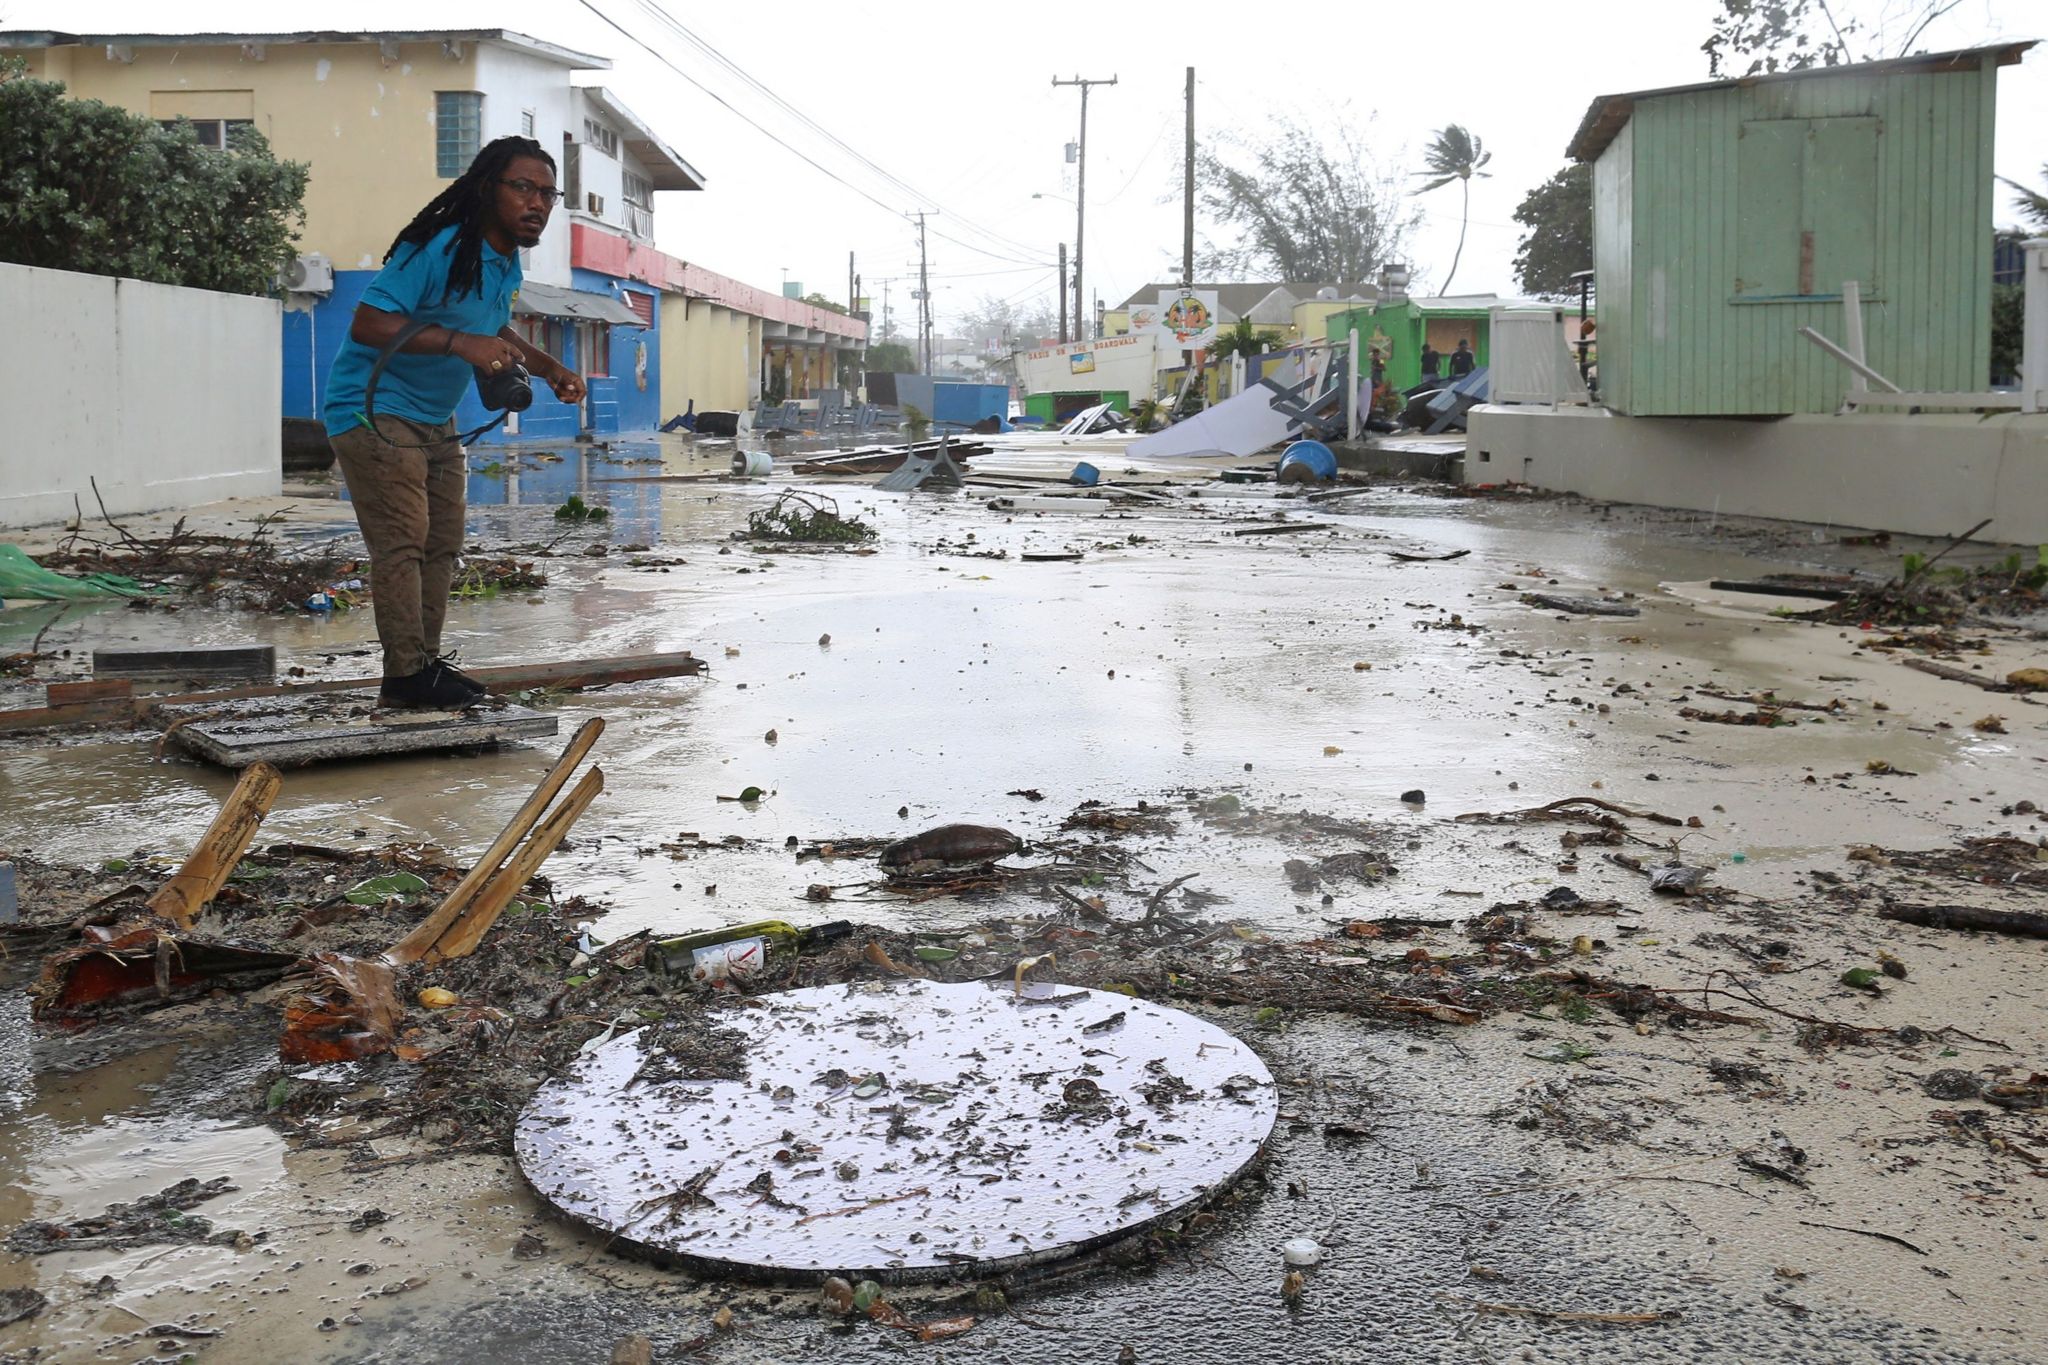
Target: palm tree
2033,204
1455,154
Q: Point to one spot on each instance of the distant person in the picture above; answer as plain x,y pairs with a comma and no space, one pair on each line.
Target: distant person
1432,365
1462,360
454,266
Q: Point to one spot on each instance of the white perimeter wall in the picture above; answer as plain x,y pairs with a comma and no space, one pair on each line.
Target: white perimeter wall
1930,475
165,397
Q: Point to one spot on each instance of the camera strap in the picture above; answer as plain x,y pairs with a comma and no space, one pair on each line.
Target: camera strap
391,348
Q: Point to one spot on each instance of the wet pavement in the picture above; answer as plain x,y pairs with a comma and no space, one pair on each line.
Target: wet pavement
1173,658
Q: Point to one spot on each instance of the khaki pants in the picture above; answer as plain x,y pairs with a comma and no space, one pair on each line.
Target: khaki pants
410,506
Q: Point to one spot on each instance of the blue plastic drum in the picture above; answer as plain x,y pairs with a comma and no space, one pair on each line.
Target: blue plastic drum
1309,457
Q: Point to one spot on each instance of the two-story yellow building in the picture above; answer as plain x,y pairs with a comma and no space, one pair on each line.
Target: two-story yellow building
385,120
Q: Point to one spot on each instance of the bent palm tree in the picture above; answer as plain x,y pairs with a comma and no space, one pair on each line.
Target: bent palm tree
1454,154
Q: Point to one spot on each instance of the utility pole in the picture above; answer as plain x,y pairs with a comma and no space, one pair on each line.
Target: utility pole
924,302
852,286
1187,228
1064,338
1081,203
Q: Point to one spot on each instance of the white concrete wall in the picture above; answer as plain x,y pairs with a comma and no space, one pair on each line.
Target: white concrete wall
164,397
512,82
1126,364
1921,475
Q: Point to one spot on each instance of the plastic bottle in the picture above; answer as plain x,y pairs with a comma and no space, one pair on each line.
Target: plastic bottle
737,955
10,907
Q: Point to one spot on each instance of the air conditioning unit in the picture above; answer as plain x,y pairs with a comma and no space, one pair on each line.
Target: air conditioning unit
309,274
594,202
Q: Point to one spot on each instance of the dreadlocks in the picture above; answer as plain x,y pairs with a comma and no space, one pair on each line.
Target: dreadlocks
462,204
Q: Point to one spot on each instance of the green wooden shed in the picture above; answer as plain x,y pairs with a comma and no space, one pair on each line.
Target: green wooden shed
1726,216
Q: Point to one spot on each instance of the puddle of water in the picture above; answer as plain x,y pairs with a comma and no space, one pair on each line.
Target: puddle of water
1172,656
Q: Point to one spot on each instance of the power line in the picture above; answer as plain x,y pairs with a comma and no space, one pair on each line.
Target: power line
813,162
892,181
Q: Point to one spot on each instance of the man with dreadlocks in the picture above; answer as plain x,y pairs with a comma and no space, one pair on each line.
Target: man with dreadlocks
455,267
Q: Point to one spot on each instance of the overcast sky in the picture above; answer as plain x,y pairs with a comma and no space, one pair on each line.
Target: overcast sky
954,102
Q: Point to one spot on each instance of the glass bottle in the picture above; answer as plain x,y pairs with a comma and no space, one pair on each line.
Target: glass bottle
737,955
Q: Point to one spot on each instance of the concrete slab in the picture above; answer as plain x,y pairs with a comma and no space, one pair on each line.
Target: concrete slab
293,731
253,662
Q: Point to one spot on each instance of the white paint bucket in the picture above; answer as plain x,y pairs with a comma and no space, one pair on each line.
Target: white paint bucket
752,464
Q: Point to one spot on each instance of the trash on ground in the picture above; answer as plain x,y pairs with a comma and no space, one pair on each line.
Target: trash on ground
952,844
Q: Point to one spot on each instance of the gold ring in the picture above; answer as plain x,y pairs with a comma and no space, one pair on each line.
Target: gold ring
497,364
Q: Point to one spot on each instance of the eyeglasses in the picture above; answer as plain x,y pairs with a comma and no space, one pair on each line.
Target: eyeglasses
526,189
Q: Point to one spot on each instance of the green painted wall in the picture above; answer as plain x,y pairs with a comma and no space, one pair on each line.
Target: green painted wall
1049,405
1725,220
1404,325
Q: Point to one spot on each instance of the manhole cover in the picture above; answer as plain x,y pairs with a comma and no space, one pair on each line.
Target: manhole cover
905,1130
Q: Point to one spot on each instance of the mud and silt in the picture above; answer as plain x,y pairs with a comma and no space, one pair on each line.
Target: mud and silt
1514,1079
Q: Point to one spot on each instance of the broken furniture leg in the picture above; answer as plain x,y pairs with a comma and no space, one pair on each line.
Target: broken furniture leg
476,920
424,935
192,886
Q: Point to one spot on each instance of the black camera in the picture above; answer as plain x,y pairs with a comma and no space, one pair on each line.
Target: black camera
509,390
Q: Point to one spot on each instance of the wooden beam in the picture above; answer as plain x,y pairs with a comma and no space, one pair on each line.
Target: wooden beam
78,693
194,885
565,675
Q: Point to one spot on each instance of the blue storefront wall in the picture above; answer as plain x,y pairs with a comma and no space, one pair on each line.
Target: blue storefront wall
312,338
629,397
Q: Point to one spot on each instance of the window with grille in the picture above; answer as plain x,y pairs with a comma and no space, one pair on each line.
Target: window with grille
597,135
639,191
458,130
209,132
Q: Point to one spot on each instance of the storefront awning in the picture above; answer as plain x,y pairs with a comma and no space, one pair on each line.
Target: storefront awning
552,301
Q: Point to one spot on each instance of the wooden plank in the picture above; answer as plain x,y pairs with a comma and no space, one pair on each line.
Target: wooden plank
1961,675
77,693
291,732
429,930
564,675
234,661
476,920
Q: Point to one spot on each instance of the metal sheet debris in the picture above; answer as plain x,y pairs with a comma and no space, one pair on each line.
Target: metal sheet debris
904,1131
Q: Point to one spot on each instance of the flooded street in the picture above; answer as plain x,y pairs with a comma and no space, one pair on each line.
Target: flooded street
937,676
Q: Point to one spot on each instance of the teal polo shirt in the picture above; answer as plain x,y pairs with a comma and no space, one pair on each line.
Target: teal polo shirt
414,283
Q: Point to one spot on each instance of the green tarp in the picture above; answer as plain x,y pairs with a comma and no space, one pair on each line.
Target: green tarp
23,578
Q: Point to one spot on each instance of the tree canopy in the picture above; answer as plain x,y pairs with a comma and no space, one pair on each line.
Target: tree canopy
891,357
1559,242
1008,324
90,187
1753,37
1298,204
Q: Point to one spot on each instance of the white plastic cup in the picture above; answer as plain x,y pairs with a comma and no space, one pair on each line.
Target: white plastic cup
1301,1251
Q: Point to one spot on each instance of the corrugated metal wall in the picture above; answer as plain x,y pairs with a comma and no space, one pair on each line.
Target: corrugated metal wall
1683,243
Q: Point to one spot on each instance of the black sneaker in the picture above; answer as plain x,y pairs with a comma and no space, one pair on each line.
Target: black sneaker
477,689
434,688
